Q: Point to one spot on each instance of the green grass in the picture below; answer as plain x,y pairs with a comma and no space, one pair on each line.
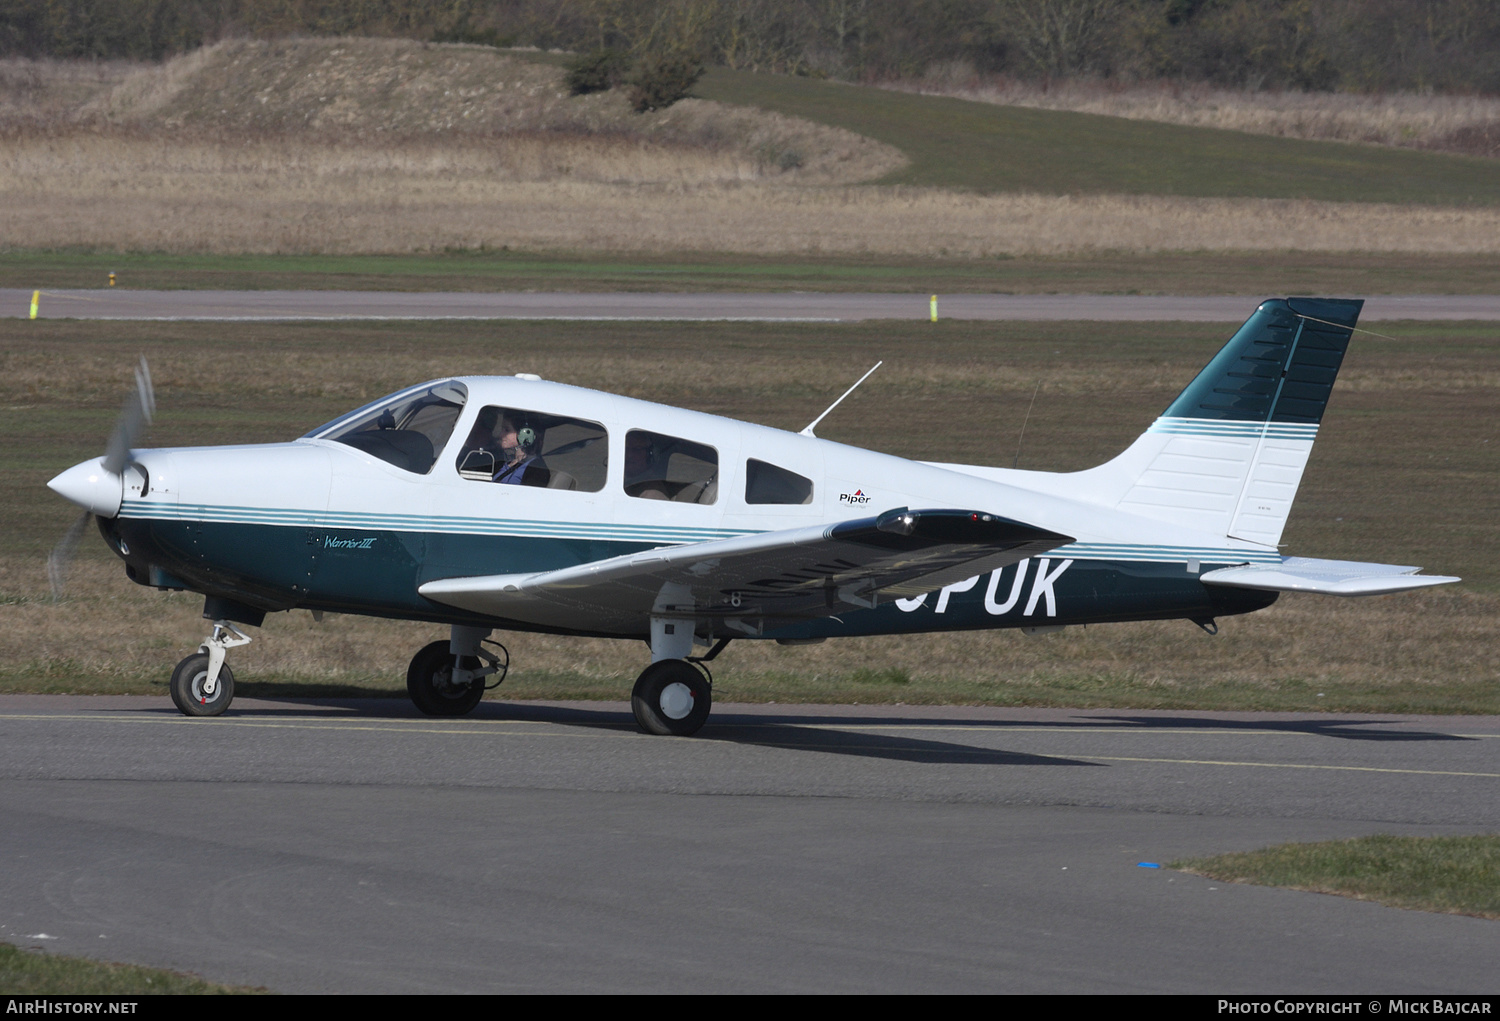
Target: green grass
1257,273
983,147
1454,875
28,973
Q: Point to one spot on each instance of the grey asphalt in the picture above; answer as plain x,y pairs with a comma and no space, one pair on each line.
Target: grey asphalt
353,846
270,306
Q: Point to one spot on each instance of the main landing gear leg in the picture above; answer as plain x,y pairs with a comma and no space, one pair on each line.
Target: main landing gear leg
673,695
447,678
203,684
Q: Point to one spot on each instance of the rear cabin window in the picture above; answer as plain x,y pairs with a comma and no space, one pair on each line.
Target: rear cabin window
407,429
516,447
659,467
766,483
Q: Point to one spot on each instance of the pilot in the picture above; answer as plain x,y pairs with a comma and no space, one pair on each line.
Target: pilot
643,478
519,464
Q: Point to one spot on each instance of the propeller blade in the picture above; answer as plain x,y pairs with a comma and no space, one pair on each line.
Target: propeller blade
134,416
62,554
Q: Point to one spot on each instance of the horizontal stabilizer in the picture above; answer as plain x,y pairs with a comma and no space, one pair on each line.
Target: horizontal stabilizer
1326,577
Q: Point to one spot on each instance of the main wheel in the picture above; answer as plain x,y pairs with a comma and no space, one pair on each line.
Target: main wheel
429,682
187,687
671,697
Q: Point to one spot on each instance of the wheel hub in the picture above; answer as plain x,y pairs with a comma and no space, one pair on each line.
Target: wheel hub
676,700
200,682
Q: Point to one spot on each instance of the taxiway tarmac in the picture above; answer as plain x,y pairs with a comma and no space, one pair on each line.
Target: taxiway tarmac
269,306
353,846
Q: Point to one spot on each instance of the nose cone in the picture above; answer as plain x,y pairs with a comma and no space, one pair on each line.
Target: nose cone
91,487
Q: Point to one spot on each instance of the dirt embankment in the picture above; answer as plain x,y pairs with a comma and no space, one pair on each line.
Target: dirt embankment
370,94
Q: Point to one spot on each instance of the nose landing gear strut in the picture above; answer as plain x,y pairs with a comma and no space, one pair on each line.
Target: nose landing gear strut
203,684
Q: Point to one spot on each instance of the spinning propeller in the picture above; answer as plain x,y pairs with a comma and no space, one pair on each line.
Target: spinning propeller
99,486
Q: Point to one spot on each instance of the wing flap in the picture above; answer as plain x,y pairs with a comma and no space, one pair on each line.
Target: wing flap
755,579
1326,577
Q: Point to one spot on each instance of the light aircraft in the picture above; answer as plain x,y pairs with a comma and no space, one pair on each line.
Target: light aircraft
519,504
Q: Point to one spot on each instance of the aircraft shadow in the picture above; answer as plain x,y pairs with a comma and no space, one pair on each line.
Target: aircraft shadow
878,746
797,733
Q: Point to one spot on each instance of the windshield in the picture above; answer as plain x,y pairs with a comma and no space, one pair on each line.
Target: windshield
407,429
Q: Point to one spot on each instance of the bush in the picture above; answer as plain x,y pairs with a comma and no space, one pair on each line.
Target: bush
660,81
596,72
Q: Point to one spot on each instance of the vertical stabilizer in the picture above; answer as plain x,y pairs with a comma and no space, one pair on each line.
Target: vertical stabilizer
1228,454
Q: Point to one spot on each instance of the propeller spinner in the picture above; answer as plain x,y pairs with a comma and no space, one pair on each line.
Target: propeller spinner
98,485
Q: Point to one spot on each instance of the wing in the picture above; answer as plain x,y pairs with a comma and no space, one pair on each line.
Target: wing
754,581
1328,577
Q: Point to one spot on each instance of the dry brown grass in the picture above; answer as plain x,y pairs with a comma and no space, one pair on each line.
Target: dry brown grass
47,94
1466,124
124,193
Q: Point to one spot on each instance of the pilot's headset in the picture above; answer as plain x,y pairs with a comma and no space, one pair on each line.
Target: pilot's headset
526,438
526,434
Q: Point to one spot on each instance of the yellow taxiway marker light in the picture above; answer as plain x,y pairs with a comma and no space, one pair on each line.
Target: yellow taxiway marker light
36,296
934,308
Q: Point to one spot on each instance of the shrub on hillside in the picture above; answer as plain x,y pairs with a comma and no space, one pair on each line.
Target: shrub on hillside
596,72
660,81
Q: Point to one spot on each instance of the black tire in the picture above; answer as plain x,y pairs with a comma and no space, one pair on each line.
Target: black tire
660,704
429,683
187,687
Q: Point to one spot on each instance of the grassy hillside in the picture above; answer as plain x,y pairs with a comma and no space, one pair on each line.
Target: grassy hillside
956,143
339,147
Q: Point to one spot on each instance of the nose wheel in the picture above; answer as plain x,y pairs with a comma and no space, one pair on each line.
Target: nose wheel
191,691
671,697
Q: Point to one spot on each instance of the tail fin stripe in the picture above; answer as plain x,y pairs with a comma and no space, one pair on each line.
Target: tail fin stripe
1221,427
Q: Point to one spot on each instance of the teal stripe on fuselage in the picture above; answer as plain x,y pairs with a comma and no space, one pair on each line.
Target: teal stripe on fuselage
656,534
651,535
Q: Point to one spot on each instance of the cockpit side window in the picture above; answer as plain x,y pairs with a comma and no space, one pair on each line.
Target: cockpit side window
766,483
517,447
659,467
407,429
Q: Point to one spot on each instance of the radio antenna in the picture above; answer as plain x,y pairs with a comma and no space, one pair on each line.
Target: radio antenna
809,430
1021,437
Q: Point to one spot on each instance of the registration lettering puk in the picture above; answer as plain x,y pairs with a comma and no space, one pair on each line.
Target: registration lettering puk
485,503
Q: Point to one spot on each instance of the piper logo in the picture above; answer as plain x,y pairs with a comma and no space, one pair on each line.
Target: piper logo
856,497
